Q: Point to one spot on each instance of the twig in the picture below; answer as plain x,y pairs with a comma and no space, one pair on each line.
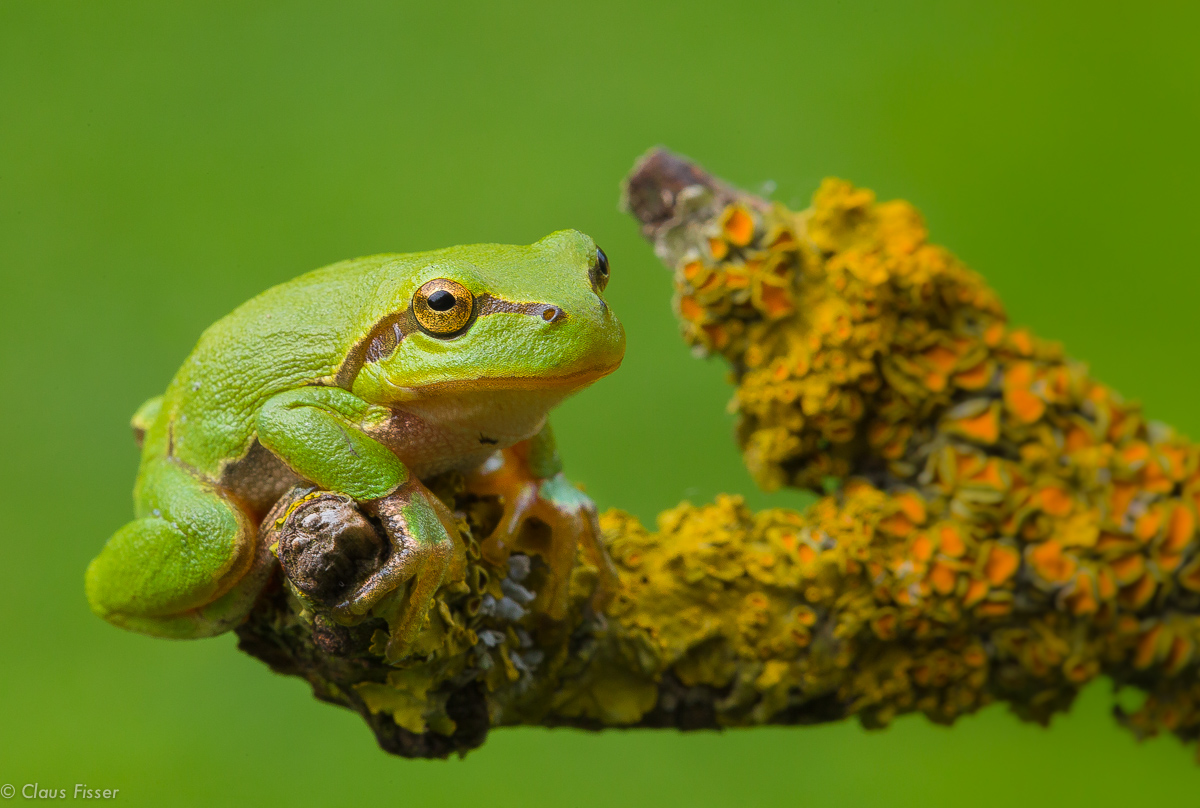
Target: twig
999,526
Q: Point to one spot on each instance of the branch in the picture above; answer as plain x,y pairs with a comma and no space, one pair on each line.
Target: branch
999,527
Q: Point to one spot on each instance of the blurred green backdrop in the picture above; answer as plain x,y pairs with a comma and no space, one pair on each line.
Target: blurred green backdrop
160,163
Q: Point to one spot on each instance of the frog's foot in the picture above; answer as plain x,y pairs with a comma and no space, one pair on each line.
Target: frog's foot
191,566
564,509
425,549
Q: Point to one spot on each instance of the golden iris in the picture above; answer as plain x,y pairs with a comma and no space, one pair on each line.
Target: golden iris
443,307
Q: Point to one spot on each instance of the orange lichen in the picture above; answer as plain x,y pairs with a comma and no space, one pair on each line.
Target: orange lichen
1048,561
943,577
983,428
1055,501
737,226
1002,562
950,541
1147,525
1128,569
1082,599
976,591
1137,594
1180,529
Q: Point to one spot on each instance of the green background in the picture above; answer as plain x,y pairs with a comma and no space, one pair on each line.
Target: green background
160,163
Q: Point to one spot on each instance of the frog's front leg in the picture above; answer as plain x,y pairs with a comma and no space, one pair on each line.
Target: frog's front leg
529,478
426,549
319,433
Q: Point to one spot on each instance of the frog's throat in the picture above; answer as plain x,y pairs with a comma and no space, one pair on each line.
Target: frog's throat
564,385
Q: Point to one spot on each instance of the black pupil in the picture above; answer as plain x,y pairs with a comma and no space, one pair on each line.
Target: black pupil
441,300
601,262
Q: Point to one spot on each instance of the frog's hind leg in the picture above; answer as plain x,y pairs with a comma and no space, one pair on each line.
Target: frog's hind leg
528,476
189,566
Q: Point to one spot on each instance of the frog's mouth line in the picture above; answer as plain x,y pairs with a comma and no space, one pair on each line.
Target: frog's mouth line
577,380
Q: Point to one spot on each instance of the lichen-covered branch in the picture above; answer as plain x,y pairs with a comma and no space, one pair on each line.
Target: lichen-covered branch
998,527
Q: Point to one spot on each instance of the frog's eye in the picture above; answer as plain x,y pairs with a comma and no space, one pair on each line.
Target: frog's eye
443,308
599,271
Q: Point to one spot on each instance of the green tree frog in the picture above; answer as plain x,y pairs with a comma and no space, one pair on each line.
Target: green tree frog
365,377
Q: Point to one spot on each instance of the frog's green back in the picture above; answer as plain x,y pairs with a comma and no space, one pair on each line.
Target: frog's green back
288,336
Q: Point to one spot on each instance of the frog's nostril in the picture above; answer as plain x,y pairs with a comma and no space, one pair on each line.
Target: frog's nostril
552,314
